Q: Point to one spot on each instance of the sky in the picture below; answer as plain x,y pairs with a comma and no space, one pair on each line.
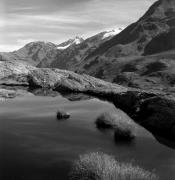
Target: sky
23,21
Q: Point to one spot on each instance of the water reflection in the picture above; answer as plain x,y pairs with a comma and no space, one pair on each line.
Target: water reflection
44,92
77,97
33,145
69,96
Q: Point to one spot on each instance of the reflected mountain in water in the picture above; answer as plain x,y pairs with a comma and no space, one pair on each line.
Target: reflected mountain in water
69,96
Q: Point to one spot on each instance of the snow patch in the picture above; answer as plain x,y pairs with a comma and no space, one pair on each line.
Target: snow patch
64,47
76,41
112,33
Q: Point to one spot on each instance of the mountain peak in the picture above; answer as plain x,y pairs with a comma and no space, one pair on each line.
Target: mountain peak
78,40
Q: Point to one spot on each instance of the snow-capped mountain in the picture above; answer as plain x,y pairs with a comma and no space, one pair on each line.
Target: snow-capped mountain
74,54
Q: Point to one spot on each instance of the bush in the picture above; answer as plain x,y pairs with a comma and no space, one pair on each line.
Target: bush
124,127
99,166
105,120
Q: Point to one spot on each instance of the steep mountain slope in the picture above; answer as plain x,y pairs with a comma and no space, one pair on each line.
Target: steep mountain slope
158,22
153,34
73,55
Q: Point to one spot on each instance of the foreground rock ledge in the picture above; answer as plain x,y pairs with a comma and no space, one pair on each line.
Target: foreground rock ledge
155,111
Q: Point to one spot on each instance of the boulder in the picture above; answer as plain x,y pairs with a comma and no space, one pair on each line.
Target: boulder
62,115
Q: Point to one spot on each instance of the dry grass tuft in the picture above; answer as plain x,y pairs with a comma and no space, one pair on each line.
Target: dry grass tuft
124,128
99,166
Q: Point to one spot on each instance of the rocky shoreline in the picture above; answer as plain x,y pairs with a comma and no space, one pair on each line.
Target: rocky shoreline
154,110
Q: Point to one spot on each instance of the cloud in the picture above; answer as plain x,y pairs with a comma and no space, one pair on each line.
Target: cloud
58,20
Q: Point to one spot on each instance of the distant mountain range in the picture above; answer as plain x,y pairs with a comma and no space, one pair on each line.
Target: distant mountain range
47,54
142,55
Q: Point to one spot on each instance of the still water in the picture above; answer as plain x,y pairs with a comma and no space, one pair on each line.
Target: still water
34,145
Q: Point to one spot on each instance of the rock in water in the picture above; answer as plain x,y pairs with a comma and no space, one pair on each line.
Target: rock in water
62,115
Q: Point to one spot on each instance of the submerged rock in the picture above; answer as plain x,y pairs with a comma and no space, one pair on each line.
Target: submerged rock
4,93
62,115
12,93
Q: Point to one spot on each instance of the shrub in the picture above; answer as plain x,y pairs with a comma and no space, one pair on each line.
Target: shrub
124,127
99,166
105,120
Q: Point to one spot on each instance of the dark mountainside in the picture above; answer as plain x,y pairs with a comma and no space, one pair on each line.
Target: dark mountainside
157,24
142,55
